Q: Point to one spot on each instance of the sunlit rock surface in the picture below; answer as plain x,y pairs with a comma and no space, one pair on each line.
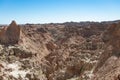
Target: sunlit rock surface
10,34
66,51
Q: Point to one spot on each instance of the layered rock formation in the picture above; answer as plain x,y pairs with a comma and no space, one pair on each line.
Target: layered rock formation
108,65
10,34
66,51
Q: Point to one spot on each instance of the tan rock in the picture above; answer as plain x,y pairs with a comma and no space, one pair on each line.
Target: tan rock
112,37
108,65
51,46
3,38
10,34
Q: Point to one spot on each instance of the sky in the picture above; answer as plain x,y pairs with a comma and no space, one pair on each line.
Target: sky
58,11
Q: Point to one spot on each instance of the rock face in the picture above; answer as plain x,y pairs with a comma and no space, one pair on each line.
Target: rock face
108,65
10,34
112,36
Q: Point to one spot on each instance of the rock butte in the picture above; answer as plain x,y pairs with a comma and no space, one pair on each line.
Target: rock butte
10,35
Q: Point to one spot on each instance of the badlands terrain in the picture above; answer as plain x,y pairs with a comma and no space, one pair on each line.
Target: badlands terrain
60,51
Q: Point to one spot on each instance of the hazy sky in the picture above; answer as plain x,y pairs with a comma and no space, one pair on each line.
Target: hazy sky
46,11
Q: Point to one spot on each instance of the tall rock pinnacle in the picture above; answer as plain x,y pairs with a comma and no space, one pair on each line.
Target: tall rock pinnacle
13,23
11,34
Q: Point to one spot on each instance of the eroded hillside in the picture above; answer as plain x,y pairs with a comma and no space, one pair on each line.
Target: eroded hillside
66,51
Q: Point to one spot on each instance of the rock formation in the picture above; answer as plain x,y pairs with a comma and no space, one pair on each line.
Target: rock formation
108,65
65,51
112,37
10,35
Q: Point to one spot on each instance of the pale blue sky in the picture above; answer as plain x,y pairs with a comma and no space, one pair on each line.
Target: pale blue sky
47,11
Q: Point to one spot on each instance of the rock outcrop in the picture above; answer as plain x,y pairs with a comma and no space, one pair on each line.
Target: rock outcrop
108,65
10,35
112,37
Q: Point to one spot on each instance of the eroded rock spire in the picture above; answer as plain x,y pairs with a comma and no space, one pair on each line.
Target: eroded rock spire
10,35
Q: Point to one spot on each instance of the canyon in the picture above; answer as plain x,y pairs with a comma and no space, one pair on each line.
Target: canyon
60,51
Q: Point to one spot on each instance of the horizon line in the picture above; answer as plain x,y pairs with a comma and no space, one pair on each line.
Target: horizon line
59,22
